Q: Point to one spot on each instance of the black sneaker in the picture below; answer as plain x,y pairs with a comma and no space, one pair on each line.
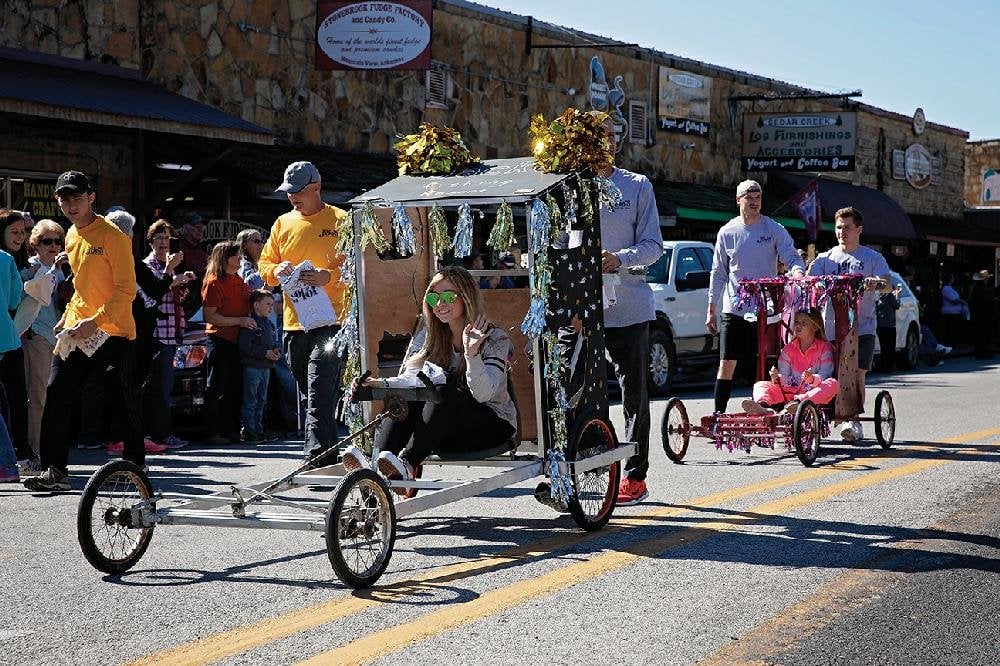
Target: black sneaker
51,480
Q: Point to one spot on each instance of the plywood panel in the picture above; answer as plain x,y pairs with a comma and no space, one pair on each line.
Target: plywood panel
393,290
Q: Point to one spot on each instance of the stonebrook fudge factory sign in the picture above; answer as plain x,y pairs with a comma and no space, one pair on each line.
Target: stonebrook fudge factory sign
373,35
799,141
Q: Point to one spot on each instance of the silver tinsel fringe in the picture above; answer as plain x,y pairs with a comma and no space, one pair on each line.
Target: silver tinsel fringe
462,243
402,231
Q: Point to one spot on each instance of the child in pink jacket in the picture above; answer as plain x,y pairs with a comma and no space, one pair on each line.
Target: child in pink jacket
804,372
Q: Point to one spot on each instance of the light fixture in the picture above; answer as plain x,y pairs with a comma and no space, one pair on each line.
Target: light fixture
170,166
188,199
169,199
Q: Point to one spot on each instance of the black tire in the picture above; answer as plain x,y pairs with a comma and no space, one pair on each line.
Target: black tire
361,507
662,363
806,432
105,519
911,352
675,430
885,419
595,492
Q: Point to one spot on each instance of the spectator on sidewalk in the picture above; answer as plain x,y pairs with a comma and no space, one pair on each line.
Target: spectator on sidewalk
259,351
953,310
251,244
168,332
11,290
192,246
226,304
12,378
48,240
101,259
981,310
309,232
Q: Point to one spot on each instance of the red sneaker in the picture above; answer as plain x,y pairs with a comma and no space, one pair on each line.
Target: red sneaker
153,447
631,492
116,448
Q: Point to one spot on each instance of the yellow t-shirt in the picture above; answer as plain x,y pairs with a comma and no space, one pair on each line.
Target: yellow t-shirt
104,277
295,238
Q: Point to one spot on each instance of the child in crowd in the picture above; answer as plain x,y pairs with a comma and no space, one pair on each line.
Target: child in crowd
804,372
258,350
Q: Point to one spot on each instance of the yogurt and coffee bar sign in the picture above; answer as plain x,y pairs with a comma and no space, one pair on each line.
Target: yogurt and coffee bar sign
799,141
373,35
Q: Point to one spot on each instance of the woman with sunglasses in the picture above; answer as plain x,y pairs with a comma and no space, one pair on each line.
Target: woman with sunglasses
47,240
477,411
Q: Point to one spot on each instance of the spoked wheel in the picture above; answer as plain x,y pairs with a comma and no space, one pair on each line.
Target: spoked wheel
360,528
107,522
596,490
675,429
806,432
885,419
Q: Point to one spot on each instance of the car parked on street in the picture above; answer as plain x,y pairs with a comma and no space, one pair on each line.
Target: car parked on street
679,341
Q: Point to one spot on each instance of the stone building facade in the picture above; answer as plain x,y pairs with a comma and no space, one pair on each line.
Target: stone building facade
255,60
982,173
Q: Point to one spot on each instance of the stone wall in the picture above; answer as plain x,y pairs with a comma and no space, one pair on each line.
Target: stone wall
980,157
256,60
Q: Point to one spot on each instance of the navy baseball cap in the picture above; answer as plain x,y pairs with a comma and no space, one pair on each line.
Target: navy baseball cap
73,182
297,176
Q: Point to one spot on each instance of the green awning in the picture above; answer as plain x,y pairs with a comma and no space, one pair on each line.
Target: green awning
725,216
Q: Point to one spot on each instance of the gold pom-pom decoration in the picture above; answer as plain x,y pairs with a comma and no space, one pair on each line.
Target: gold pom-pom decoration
433,151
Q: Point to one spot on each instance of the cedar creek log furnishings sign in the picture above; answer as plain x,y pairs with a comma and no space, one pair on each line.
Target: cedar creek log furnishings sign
799,141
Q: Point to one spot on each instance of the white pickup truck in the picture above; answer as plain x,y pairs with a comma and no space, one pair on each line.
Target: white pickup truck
679,341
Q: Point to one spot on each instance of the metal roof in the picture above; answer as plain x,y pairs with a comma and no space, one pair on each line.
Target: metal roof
513,180
79,91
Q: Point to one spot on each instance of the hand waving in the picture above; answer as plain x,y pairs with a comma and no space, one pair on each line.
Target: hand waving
474,334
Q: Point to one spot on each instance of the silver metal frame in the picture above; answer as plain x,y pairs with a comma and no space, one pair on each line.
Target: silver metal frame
262,505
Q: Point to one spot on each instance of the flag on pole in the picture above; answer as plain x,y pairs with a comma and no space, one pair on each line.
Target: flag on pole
806,203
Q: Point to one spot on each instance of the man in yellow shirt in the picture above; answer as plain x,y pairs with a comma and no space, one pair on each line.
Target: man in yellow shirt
100,256
309,232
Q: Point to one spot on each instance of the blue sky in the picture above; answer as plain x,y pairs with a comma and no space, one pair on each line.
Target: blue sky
935,55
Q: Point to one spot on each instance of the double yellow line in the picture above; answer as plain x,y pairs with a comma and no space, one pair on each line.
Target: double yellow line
373,646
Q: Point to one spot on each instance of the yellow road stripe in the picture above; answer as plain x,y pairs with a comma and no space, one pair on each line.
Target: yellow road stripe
219,646
388,641
210,649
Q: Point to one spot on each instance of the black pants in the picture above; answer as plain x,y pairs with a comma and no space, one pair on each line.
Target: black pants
628,347
110,366
224,393
12,377
458,423
887,344
316,367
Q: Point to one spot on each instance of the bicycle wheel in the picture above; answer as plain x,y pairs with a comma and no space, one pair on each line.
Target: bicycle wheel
885,419
107,521
360,528
806,433
675,430
596,490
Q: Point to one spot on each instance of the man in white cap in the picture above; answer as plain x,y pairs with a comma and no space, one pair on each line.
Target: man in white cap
309,232
748,246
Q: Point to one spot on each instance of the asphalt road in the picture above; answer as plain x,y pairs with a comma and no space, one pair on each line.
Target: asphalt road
868,557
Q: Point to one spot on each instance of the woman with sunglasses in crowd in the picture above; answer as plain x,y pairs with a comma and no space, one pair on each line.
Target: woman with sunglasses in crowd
477,411
47,239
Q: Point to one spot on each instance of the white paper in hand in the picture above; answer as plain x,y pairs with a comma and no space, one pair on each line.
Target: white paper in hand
312,305
65,343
